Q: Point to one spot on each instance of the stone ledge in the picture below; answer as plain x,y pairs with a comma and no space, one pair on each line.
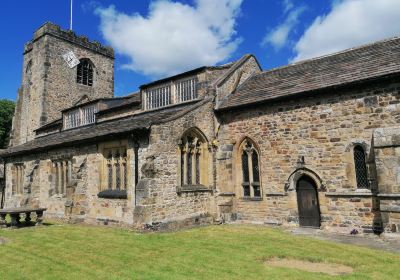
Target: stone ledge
251,199
389,195
113,194
276,194
393,208
227,194
349,194
192,189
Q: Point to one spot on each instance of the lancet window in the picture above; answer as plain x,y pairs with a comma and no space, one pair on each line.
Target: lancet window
250,169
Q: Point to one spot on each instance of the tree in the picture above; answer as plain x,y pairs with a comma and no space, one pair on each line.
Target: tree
6,114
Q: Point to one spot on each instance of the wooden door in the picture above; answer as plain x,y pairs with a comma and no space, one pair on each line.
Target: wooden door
307,201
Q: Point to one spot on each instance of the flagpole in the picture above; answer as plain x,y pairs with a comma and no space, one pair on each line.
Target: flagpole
70,22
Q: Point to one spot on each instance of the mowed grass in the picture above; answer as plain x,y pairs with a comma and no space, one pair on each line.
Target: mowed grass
214,252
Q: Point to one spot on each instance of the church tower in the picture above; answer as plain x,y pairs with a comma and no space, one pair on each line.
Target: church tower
60,69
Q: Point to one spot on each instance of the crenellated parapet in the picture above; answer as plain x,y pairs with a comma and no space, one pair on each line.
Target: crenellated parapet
68,35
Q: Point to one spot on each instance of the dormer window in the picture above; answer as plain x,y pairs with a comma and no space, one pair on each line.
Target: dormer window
80,116
170,93
84,74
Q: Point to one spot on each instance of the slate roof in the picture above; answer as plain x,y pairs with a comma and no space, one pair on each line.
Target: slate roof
101,130
126,101
354,65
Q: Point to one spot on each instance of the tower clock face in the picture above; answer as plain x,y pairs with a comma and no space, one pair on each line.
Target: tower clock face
71,59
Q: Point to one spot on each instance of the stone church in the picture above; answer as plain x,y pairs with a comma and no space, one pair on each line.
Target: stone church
311,144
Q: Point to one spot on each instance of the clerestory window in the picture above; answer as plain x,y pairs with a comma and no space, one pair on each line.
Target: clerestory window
173,92
250,169
84,74
81,116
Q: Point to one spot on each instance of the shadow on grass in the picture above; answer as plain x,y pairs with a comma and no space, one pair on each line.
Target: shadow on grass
23,224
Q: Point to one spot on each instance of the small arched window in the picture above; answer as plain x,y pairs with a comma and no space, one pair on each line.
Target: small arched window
360,167
193,150
84,72
250,169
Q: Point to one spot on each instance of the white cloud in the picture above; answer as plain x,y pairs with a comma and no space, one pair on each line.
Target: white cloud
173,37
279,36
350,23
287,5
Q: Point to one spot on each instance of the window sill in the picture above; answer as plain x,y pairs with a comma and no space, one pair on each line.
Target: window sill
113,194
192,189
353,193
58,196
247,198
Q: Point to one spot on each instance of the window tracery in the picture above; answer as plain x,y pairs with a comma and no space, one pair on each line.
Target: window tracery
193,159
250,169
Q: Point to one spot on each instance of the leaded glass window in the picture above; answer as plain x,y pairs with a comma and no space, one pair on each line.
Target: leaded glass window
360,168
246,174
189,168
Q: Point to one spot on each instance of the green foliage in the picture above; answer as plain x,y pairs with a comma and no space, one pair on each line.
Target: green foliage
6,114
214,252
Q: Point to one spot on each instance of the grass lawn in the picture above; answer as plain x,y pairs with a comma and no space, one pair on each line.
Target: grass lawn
214,252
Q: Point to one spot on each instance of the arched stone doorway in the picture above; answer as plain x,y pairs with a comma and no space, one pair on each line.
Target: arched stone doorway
307,202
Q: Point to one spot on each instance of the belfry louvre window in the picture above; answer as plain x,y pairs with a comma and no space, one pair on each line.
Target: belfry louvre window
80,116
84,74
18,178
115,170
360,167
172,93
62,172
193,149
250,169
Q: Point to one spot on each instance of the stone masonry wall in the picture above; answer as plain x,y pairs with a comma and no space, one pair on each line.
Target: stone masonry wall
80,203
163,203
387,153
315,135
49,85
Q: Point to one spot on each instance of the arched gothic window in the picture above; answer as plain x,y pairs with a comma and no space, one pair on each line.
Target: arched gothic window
250,169
193,149
84,72
360,167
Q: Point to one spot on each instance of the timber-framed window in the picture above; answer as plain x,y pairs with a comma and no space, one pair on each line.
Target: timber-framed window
84,72
193,160
360,167
18,178
115,175
62,174
250,167
169,93
81,116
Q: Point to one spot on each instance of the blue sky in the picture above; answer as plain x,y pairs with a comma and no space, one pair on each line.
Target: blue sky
154,39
